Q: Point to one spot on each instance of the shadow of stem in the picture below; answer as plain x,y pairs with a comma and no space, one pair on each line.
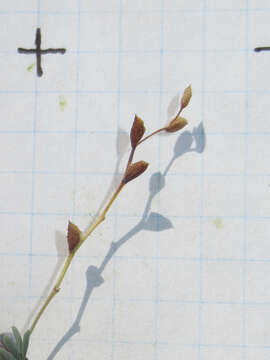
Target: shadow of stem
187,142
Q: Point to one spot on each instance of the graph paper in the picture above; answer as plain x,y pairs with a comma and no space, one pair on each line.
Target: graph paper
180,268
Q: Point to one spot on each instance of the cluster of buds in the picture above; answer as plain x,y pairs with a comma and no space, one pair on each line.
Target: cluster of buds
133,170
138,130
179,122
136,169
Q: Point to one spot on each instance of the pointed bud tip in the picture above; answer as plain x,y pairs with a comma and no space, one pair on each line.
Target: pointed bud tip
186,97
137,131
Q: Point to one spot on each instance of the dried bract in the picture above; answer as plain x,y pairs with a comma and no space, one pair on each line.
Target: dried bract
186,97
134,170
176,124
137,131
73,236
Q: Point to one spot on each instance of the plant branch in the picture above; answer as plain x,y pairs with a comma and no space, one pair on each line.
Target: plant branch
69,259
98,221
153,133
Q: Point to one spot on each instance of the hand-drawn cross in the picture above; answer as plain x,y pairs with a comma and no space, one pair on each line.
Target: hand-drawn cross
262,48
38,51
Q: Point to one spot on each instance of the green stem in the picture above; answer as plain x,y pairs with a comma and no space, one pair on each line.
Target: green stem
84,236
153,133
69,259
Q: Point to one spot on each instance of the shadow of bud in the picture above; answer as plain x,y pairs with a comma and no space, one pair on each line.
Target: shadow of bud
156,183
183,144
199,137
157,222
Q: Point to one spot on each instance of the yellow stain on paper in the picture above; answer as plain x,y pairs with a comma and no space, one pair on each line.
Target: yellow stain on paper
62,103
218,222
30,67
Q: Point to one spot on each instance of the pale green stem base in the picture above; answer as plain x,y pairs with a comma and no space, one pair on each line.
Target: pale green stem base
56,287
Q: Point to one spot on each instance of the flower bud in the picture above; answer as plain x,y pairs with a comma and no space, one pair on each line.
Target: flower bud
176,124
134,170
186,97
73,236
137,131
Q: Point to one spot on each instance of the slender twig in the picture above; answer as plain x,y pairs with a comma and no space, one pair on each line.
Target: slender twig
83,237
131,172
56,288
153,133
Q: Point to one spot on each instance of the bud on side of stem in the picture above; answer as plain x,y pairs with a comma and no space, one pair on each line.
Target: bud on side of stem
176,124
134,170
186,97
73,236
137,131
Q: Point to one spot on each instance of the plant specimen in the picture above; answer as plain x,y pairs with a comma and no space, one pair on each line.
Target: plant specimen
14,346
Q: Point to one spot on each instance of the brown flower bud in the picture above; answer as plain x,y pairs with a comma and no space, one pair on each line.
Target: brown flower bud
73,236
176,124
134,170
137,131
186,97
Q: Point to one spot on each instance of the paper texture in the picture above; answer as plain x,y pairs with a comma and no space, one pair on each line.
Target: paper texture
180,268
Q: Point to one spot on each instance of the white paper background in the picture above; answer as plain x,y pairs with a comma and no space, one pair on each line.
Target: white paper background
199,290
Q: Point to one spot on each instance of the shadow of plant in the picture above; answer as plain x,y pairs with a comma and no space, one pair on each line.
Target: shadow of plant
194,141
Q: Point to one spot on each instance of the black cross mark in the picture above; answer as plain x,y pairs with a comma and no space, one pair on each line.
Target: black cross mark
262,48
39,52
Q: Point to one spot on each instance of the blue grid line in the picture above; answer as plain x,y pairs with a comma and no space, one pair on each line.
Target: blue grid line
75,148
114,132
90,133
120,20
245,198
147,258
161,343
157,237
73,299
133,92
30,265
152,301
105,174
135,216
129,11
203,80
